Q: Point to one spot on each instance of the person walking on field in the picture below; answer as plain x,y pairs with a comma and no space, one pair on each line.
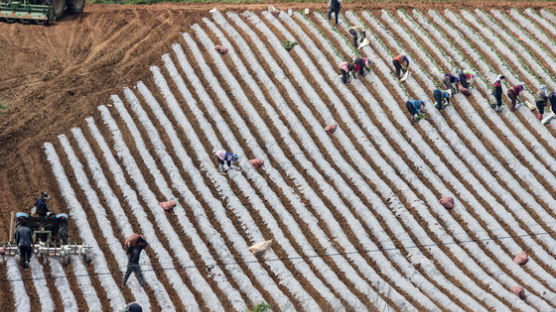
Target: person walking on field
513,94
451,82
541,99
498,92
134,252
24,239
401,63
334,6
362,64
347,68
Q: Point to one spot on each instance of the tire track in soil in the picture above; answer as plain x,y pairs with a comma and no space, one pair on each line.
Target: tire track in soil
149,180
118,232
8,299
357,192
487,206
376,169
194,255
475,194
174,222
275,163
260,223
515,197
458,262
206,143
95,227
480,199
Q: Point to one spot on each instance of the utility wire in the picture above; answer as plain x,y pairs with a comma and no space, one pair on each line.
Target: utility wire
365,251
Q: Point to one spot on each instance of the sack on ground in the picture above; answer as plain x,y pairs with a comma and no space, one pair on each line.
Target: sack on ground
168,205
256,162
330,128
447,202
260,248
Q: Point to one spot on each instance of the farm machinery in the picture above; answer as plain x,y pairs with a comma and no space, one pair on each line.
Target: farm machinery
38,11
50,238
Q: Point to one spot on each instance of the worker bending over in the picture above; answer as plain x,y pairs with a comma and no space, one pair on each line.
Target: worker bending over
401,63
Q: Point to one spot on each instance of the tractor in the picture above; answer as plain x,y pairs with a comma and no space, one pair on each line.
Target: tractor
38,11
50,238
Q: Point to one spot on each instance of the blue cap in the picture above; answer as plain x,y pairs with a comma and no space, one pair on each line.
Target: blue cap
62,215
21,215
543,87
234,157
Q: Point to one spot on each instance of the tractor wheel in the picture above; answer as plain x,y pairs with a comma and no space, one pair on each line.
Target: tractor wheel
75,6
59,6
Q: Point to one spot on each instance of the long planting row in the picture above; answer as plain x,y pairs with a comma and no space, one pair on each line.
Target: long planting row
354,216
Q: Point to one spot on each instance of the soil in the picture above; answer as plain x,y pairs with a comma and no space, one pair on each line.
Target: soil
52,77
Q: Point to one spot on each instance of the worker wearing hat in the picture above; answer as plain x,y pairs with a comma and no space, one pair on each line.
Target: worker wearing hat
41,207
541,99
498,92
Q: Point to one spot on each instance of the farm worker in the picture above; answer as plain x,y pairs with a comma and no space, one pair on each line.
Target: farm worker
441,97
41,208
513,93
228,158
345,69
401,63
334,6
540,100
134,252
358,33
451,82
466,78
498,92
415,109
362,64
132,307
552,99
23,237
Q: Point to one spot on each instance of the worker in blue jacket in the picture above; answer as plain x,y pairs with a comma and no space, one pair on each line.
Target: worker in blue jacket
415,108
442,98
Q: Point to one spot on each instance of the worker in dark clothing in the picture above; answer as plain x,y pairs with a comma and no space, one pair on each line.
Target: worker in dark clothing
362,64
132,307
334,6
134,252
451,82
401,63
41,208
442,98
358,34
498,92
552,99
466,78
24,238
540,100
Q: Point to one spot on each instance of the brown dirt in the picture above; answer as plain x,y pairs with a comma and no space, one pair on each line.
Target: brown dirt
52,77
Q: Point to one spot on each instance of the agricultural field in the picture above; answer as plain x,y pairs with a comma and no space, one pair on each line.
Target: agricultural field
115,116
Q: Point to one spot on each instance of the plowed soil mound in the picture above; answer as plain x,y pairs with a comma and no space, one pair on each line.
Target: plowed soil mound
52,77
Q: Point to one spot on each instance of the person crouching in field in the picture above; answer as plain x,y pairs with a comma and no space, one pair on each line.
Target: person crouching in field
401,63
442,98
225,157
513,94
451,82
346,68
552,100
362,64
415,108
358,34
466,78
